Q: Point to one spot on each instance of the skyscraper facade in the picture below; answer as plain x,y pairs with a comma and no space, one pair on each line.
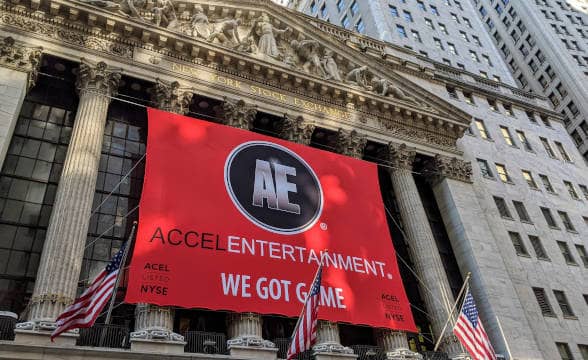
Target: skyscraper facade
545,45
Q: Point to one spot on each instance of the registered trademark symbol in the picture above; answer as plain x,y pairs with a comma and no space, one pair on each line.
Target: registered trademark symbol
324,226
390,276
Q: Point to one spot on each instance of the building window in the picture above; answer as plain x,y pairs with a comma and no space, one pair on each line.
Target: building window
393,10
443,29
564,305
452,48
421,5
583,348
474,56
485,169
502,207
407,16
547,147
584,190
543,302
522,211
549,218
401,31
546,183
507,136
354,8
340,5
345,22
566,221
523,139
360,26
482,129
416,36
571,190
565,251
538,248
503,173
518,244
583,255
564,351
531,117
451,91
438,44
529,179
562,151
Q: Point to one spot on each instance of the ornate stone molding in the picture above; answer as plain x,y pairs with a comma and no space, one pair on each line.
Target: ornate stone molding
403,354
154,323
350,143
98,78
245,329
239,114
170,96
296,130
328,340
21,58
401,156
449,167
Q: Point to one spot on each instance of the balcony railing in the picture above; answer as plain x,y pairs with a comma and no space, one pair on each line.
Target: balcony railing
101,335
205,342
368,352
283,344
7,323
434,355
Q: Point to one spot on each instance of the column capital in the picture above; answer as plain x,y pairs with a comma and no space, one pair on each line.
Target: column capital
239,114
350,143
98,78
22,58
442,167
401,156
171,96
296,129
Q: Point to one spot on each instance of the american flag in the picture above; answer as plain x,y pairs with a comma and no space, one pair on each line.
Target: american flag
304,336
85,309
471,333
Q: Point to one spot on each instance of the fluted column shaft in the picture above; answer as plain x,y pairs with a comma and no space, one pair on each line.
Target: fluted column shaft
63,251
422,246
395,344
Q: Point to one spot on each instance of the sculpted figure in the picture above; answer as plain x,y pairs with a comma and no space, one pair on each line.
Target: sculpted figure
164,11
248,45
265,33
227,33
108,5
384,87
308,53
359,77
330,66
130,8
199,23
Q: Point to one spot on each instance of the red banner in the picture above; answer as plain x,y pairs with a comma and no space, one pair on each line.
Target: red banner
234,220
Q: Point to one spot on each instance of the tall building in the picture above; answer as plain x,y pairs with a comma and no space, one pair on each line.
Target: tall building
477,176
544,44
448,32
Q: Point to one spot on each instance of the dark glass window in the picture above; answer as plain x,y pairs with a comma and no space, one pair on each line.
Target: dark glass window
29,178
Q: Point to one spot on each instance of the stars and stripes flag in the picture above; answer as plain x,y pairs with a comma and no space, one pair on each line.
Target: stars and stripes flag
471,333
304,336
86,309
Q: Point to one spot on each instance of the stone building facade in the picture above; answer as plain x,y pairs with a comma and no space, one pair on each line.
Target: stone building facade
78,75
544,44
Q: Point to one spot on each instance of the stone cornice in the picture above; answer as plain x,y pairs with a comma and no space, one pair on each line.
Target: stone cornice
21,58
441,167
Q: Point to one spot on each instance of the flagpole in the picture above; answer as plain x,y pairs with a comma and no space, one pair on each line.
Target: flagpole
463,287
504,338
118,276
326,251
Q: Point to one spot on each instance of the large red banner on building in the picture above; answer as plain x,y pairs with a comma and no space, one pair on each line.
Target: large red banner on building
234,220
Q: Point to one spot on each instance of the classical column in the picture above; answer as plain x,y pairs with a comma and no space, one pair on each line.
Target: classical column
154,325
422,246
19,66
63,251
328,344
296,130
395,344
245,329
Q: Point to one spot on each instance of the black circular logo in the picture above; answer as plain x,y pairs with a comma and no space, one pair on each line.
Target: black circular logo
273,187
